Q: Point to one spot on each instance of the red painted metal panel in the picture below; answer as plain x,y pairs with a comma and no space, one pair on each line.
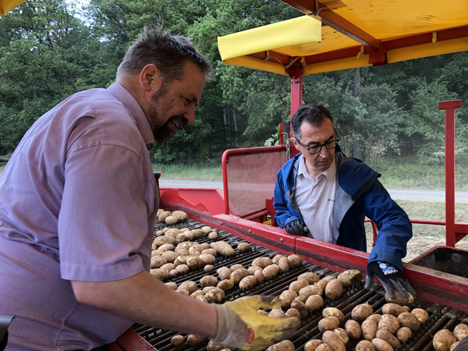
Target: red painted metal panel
249,177
131,341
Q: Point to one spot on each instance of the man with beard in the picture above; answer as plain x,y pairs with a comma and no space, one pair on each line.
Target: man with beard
78,201
322,194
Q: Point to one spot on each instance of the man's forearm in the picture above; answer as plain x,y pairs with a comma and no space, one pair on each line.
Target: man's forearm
143,299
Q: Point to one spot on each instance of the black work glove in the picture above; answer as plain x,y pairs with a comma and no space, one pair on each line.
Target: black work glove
296,227
389,276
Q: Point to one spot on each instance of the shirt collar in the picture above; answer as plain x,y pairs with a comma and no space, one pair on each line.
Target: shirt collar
136,112
328,173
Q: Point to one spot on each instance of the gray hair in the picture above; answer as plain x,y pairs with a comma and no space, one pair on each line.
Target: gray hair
167,52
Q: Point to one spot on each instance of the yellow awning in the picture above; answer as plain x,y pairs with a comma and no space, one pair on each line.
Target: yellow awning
355,33
8,5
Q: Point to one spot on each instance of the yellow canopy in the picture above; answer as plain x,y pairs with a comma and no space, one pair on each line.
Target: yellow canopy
355,33
8,5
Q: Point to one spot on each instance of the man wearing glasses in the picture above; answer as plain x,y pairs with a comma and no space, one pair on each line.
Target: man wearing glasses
322,194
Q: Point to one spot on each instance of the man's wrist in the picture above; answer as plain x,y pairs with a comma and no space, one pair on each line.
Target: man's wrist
231,331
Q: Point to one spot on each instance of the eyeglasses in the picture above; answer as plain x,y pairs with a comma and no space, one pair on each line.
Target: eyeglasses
315,149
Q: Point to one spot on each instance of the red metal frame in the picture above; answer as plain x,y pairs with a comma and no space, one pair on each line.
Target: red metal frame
239,152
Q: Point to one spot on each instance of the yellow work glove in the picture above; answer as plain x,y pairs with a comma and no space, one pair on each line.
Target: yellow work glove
241,326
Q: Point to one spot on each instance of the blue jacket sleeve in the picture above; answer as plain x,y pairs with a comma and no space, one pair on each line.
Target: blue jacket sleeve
394,226
283,214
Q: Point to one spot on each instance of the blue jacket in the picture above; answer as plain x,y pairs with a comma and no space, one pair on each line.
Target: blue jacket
359,194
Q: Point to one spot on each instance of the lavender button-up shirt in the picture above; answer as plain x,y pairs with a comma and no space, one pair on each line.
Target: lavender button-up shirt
77,202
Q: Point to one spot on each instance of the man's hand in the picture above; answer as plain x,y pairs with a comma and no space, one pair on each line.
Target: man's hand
296,227
241,326
389,276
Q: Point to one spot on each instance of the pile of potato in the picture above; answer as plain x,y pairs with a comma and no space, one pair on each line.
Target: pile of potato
171,218
445,340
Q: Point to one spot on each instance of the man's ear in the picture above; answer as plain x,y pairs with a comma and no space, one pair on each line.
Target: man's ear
296,145
150,79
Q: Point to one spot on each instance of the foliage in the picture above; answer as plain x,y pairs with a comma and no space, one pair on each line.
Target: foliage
49,50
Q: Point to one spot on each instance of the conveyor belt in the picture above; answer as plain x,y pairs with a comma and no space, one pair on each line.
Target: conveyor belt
440,316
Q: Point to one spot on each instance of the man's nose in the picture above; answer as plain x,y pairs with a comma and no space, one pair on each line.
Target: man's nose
324,152
190,115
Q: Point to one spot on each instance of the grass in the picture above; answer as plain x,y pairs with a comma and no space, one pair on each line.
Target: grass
426,236
195,171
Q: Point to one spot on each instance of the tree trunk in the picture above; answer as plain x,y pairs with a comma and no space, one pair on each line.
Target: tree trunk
358,144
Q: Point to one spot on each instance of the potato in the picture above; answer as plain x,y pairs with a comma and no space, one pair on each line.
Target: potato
182,269
389,322
206,229
197,293
170,256
214,346
421,315
312,345
309,290
353,329
207,259
188,285
350,277
213,235
294,261
314,302
311,277
323,347
284,345
171,285
399,299
193,340
343,335
222,248
194,262
260,277
261,262
243,247
301,307
248,282
208,280
365,345
226,284
209,268
276,259
384,334
168,266
443,339
293,312
177,340
160,274
409,320
328,323
284,265
208,288
277,313
381,345
334,289
375,317
403,334
298,285
235,266
211,252
170,220
271,271
333,311
461,331
393,308
215,295
361,312
253,269
369,329
301,298
286,297
163,215
332,339
180,215
224,273
157,261
238,275
166,247
322,284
